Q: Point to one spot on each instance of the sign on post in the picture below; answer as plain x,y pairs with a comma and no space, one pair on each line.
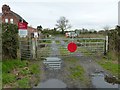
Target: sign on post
22,27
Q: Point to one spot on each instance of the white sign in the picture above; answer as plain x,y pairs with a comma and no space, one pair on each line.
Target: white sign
35,34
23,32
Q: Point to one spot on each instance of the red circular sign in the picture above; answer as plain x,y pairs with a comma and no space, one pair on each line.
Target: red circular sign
72,47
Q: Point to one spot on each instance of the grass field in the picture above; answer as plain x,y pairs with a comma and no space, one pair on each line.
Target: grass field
91,36
20,74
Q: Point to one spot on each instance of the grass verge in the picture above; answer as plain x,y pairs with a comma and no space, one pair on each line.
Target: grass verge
20,74
110,65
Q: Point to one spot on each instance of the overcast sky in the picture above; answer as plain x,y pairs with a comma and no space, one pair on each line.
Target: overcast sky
90,14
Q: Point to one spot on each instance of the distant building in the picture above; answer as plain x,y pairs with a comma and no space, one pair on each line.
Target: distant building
9,16
71,34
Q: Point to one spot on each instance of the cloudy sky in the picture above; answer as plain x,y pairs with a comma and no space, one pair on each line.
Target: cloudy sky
90,14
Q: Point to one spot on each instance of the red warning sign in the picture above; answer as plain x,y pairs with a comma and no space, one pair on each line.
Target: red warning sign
72,47
22,25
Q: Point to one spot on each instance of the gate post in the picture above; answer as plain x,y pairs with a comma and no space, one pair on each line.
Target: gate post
106,45
19,50
34,48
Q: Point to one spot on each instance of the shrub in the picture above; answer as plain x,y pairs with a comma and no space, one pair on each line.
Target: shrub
9,41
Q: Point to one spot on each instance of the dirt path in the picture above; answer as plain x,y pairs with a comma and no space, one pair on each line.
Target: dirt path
62,74
90,65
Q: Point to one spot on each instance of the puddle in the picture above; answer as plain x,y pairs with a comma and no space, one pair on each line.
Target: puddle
112,80
99,80
52,83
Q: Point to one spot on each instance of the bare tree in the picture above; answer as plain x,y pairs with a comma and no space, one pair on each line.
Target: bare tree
106,28
63,24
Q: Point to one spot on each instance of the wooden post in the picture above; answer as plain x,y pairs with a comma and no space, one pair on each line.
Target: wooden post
19,50
33,48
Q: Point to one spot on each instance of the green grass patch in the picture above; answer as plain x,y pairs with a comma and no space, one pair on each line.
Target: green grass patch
8,65
7,78
34,69
24,72
77,72
23,83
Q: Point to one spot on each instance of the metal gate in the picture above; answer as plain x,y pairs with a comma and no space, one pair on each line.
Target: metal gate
57,47
49,49
25,47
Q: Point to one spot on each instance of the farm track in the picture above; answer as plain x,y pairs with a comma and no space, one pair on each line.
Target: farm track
88,63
